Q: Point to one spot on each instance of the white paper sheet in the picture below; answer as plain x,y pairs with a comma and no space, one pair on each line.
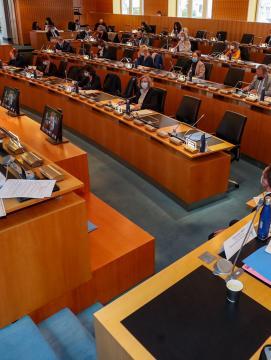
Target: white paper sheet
2,209
233,244
35,189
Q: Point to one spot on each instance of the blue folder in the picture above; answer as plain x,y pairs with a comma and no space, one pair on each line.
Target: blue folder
260,261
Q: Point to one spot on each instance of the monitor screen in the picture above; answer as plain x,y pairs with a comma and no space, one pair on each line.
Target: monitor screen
10,100
51,123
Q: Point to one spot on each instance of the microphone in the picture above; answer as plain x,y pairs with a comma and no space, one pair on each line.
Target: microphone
66,76
224,266
202,116
42,47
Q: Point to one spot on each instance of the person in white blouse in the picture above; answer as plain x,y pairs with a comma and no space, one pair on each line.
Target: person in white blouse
184,44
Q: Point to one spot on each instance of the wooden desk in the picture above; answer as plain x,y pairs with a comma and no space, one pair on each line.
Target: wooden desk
176,170
114,341
4,52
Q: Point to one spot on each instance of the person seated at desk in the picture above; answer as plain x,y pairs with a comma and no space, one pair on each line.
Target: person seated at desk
268,39
102,32
62,45
197,68
89,80
183,44
46,67
233,53
77,25
140,39
146,97
144,27
35,26
100,22
144,57
48,22
262,80
15,59
51,32
177,28
84,34
101,46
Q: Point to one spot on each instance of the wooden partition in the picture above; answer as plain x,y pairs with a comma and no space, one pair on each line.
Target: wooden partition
235,29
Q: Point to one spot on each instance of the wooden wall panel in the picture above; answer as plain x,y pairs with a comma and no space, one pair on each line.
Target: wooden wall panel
230,9
235,29
151,7
27,11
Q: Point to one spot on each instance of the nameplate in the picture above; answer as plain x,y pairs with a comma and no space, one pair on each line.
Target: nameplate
162,134
175,141
150,128
138,122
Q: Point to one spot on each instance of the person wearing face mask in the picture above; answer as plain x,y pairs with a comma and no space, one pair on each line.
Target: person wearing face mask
46,67
233,53
142,39
183,44
262,80
268,39
177,28
15,59
62,45
144,57
197,68
89,80
146,97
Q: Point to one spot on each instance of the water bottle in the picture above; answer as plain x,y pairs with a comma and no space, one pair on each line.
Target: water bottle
202,143
128,108
262,96
265,220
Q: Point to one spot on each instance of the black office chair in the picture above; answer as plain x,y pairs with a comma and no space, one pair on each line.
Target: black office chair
194,45
267,59
231,129
62,68
221,35
218,47
234,75
85,49
162,93
208,70
111,28
201,34
112,84
188,110
129,53
153,29
131,87
247,39
245,53
74,73
183,63
125,37
110,53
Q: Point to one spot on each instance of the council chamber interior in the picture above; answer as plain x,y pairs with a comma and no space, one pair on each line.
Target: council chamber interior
135,179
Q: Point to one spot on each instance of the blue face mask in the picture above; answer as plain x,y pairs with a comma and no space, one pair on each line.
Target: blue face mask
194,60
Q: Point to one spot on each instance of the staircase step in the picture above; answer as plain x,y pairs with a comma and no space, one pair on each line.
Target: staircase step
67,337
86,317
23,340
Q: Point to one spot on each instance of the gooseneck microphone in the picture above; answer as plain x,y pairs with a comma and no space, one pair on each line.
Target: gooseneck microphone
193,125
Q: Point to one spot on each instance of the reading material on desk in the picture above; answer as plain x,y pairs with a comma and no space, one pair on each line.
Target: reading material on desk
233,244
260,262
34,189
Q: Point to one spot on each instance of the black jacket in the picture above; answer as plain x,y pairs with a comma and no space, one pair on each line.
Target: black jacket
50,34
151,100
94,84
65,47
18,62
145,62
52,69
268,40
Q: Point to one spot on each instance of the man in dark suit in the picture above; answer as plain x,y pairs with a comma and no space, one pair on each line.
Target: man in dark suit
46,67
146,97
15,59
62,45
89,80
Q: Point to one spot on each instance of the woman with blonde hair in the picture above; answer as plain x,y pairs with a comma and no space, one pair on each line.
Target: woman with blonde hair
184,43
146,97
144,57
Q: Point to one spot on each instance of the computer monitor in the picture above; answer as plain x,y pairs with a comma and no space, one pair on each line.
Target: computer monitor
10,101
51,125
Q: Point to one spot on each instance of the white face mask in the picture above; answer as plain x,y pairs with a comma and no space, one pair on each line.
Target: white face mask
182,38
232,47
86,74
144,85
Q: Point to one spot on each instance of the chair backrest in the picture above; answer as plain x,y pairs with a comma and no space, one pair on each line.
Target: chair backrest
183,63
208,70
219,47
130,88
158,61
110,53
73,73
194,45
201,34
245,53
152,28
129,53
188,110
85,49
161,93
267,59
112,84
61,68
234,75
221,35
247,39
231,128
